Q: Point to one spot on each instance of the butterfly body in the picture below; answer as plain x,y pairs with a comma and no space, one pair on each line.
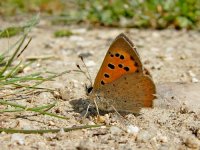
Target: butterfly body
122,82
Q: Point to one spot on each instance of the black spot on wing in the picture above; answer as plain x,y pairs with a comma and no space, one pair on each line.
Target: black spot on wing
111,66
120,65
126,68
136,64
117,54
132,58
106,75
121,57
102,82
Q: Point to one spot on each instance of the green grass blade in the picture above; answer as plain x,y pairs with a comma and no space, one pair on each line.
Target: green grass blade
11,110
49,130
13,56
52,77
31,109
10,74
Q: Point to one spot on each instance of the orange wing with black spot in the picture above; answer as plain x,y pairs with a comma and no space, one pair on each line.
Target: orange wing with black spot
121,59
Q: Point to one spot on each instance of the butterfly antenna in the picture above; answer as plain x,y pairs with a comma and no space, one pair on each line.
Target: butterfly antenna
88,77
87,74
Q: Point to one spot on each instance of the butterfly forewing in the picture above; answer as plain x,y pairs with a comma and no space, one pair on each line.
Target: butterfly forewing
121,58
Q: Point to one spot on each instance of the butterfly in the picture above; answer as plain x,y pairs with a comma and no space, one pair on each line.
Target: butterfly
122,83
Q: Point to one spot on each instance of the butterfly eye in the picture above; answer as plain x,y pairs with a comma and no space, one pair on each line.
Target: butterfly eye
89,89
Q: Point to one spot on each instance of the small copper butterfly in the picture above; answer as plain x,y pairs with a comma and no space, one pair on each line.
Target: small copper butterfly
122,82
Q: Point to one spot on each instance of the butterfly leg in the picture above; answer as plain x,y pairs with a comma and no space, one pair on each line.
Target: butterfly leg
116,111
87,110
96,106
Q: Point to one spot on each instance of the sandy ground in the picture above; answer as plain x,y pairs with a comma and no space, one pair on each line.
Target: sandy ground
170,56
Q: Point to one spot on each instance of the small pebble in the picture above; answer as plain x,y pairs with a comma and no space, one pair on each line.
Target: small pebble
100,119
19,138
115,130
86,121
165,147
91,123
133,129
192,142
24,125
154,49
154,142
79,30
74,83
107,119
42,145
90,63
46,97
191,74
56,94
62,131
86,145
65,93
198,134
162,138
195,80
85,54
76,38
144,136
51,123
182,57
155,34
27,69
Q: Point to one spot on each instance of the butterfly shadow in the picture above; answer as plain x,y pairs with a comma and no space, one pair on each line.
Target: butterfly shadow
84,107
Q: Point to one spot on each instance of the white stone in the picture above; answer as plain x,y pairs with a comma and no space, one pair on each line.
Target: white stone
133,129
19,138
195,80
191,73
90,63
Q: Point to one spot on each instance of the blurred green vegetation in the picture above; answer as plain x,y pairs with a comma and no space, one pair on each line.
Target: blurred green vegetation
10,31
156,14
15,30
63,33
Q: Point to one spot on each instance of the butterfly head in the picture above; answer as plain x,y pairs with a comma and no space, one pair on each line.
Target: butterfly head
88,89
